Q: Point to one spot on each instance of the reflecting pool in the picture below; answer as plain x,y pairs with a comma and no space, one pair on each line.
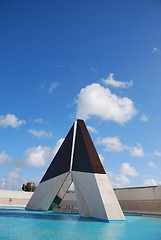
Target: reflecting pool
18,224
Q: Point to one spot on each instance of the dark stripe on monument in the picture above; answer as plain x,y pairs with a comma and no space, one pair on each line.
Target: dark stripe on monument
61,162
85,157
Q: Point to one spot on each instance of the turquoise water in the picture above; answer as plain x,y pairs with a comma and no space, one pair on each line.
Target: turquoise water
25,225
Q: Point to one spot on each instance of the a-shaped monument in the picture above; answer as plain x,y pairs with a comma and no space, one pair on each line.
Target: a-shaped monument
77,161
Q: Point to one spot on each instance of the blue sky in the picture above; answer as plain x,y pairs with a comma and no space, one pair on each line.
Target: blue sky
95,60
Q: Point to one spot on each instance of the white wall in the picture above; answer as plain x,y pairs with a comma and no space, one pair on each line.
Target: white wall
145,200
142,193
14,198
136,200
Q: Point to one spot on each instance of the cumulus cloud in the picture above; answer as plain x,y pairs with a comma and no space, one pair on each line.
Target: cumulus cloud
144,118
96,100
113,144
126,169
118,181
110,81
151,164
41,155
155,51
52,86
122,180
10,120
91,129
157,153
38,156
4,158
40,133
136,151
40,121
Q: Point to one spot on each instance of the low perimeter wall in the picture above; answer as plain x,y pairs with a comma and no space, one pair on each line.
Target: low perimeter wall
143,200
14,198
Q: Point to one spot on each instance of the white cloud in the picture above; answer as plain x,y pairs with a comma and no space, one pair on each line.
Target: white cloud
126,169
151,164
10,120
118,181
41,155
14,173
53,85
110,81
40,121
4,158
38,156
111,144
40,133
150,182
144,118
155,51
157,153
96,100
91,129
136,151
122,180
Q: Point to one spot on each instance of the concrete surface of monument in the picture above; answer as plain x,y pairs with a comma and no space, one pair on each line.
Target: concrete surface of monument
77,161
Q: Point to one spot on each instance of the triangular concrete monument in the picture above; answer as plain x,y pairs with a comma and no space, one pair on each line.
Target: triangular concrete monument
77,161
